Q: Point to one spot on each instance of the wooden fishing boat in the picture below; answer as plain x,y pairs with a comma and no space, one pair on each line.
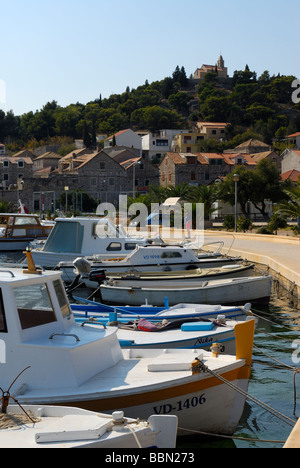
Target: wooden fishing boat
18,230
66,364
52,427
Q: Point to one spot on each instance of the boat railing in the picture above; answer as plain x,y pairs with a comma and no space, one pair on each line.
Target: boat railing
8,271
63,334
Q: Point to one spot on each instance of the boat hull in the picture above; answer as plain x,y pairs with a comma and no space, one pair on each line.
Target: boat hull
235,291
198,402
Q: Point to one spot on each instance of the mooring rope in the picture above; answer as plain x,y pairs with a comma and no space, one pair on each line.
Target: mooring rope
222,436
202,367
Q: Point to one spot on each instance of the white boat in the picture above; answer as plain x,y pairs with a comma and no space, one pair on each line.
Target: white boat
52,427
224,291
151,258
18,230
182,333
73,237
65,364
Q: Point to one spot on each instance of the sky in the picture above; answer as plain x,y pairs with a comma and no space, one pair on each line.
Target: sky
73,50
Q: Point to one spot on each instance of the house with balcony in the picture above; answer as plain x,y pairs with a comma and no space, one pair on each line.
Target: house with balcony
156,144
212,130
186,142
294,139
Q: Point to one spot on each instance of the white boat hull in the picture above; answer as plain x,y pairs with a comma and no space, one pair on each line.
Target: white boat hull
230,291
67,427
176,338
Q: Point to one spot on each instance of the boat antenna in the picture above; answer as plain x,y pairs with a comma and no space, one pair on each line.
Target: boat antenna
6,397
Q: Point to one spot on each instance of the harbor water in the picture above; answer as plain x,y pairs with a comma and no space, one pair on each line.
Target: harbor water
274,381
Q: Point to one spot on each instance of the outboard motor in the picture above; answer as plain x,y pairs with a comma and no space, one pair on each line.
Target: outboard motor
97,275
82,266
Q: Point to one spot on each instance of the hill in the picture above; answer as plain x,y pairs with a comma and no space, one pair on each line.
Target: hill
256,105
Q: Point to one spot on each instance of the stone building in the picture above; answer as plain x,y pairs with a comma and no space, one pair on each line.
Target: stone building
219,67
193,168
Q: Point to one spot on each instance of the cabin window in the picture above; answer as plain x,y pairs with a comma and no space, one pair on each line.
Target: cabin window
62,298
20,221
130,246
3,327
114,246
171,255
34,305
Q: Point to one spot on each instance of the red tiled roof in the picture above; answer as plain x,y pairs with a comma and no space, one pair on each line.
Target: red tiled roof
294,135
292,175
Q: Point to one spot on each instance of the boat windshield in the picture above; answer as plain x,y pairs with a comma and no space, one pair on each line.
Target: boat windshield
65,237
34,305
21,221
62,298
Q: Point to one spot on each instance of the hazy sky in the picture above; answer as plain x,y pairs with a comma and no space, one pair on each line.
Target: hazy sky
75,50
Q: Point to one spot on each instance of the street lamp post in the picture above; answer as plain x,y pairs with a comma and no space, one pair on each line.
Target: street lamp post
236,178
66,190
133,175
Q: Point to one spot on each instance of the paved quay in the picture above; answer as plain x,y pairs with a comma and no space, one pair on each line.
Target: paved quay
279,253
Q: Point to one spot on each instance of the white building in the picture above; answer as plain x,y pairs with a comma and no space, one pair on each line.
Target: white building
290,160
127,138
154,145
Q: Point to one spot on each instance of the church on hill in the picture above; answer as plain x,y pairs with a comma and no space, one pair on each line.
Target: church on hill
219,68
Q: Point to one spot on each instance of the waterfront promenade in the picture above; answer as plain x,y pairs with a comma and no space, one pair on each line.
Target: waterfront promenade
279,253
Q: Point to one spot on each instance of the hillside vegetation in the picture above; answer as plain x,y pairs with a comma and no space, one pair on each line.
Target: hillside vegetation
259,106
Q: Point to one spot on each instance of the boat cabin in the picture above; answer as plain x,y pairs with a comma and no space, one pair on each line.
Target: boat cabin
38,330
22,225
86,236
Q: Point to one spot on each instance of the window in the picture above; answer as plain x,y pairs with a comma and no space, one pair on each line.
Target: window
130,246
171,255
65,237
102,165
193,176
62,298
111,181
93,181
34,305
21,163
114,246
162,142
5,177
5,163
3,327
21,221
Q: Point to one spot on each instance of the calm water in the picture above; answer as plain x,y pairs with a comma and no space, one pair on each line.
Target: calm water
271,382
